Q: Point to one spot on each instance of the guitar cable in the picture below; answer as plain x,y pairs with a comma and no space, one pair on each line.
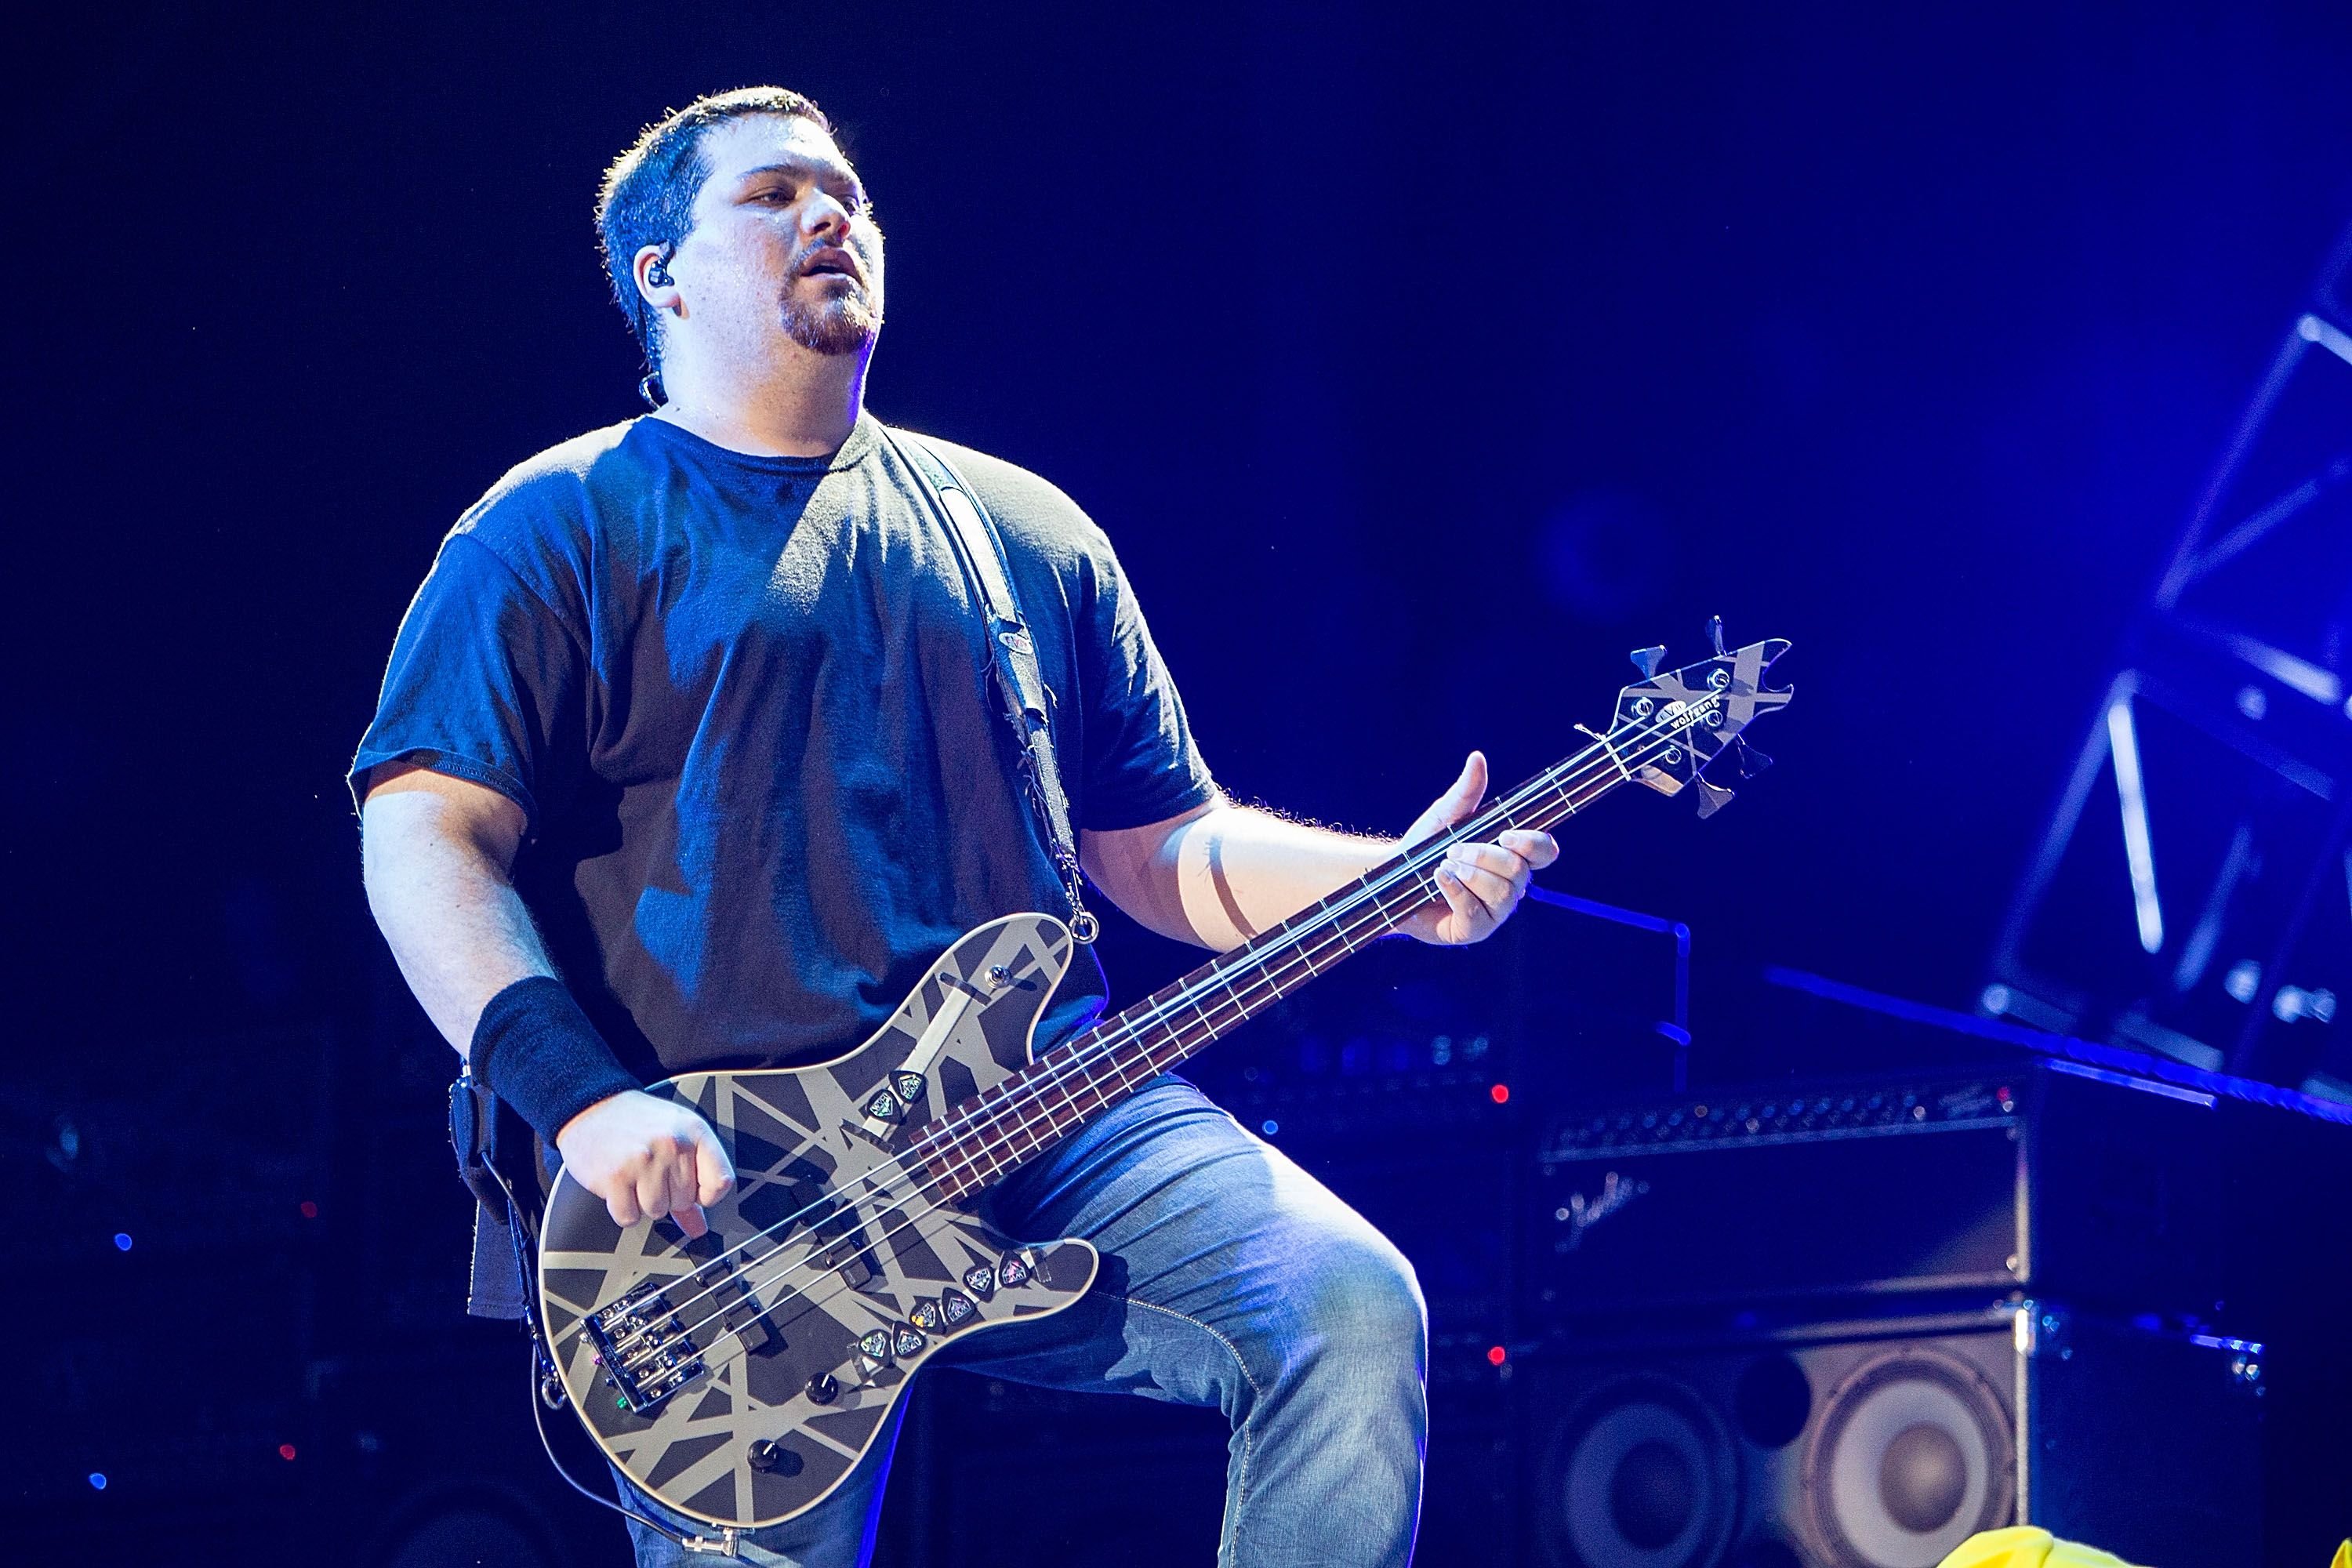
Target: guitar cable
547,1393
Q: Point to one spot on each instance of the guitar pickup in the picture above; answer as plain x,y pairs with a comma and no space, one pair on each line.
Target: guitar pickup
741,1314
839,1242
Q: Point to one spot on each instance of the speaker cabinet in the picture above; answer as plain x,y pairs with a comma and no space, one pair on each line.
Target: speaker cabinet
1887,1445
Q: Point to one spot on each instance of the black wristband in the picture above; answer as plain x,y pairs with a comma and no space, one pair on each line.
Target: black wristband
535,1049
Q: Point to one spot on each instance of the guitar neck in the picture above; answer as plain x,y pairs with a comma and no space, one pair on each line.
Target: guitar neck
1077,1080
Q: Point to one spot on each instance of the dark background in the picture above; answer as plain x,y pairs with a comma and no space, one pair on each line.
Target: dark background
1419,361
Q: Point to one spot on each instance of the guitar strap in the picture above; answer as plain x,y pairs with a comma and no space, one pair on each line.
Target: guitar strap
1019,683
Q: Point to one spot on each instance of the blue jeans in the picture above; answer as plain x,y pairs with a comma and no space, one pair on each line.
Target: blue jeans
1230,1277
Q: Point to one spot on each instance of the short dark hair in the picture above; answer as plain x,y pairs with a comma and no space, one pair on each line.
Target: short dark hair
648,193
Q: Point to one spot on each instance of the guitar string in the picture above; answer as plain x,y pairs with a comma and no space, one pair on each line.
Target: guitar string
1081,1053
1313,952
945,1135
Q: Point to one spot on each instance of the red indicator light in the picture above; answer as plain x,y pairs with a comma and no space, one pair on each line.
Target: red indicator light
1501,1095
1496,1355
286,1450
310,1209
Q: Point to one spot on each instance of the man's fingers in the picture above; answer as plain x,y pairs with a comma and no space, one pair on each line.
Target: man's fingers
1494,858
1515,852
683,1185
1481,883
1470,787
647,1159
652,1186
1466,904
1491,886
1538,850
1462,797
701,1175
714,1173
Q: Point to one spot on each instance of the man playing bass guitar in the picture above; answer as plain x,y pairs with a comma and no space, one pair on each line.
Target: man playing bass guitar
687,758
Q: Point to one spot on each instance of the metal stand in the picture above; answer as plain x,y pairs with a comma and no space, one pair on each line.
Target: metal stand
1675,1030
2211,918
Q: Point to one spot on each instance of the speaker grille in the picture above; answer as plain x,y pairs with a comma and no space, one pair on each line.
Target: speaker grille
1641,1474
1912,1456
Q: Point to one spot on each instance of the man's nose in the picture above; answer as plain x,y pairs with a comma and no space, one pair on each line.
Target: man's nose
823,215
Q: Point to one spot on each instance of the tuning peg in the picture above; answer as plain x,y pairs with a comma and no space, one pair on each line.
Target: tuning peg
1712,797
1648,659
1715,633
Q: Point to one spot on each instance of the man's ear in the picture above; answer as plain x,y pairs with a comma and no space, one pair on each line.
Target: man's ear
650,269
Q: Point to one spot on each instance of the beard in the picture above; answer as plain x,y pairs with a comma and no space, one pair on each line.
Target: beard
846,317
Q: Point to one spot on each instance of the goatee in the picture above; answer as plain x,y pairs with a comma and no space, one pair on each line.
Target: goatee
844,322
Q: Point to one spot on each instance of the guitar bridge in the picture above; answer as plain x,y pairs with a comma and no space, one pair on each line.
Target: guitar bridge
645,1352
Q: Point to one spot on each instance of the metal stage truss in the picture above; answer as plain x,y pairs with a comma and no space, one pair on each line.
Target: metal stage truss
2192,894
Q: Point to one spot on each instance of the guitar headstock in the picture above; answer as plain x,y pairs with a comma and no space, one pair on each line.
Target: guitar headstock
1672,725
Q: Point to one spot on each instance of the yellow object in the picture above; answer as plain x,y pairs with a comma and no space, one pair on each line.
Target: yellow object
2025,1547
2342,1556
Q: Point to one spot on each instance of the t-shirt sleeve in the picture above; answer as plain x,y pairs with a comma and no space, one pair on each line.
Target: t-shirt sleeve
1141,764
485,683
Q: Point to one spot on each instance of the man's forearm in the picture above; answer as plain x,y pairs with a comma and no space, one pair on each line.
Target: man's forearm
436,859
1236,870
448,906
1221,873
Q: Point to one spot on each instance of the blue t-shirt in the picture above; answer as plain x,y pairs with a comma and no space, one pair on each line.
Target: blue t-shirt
743,703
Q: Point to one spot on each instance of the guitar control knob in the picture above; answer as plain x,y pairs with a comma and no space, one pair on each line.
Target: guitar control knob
824,1388
771,1457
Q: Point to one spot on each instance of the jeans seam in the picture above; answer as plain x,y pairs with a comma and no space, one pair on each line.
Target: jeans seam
1257,1397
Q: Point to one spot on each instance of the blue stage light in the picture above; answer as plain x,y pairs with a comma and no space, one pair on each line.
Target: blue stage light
98,1481
1269,1127
121,1241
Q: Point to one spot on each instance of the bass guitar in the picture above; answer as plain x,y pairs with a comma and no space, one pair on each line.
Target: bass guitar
740,1377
